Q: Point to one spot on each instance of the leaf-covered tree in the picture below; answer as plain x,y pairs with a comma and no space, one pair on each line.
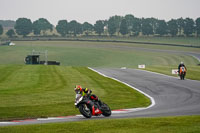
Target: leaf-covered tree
87,27
1,29
112,26
129,21
154,24
147,28
75,27
123,27
23,26
36,28
99,27
180,23
188,26
43,25
62,27
172,27
161,27
136,26
197,26
7,23
10,33
116,20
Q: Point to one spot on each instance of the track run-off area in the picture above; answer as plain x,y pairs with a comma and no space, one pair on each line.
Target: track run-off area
170,96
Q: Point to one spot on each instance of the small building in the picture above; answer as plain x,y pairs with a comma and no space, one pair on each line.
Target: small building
34,59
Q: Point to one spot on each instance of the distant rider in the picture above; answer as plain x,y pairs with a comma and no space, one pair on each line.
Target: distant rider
87,92
181,65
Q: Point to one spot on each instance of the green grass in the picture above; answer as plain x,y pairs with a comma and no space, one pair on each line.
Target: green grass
193,72
187,41
183,124
97,54
195,41
28,91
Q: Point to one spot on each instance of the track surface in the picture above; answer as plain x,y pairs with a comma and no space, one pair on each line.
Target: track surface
173,97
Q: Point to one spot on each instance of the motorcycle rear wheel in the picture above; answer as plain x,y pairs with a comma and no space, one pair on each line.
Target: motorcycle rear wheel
85,111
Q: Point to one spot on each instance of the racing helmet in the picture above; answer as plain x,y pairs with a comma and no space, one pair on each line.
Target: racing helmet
182,63
78,89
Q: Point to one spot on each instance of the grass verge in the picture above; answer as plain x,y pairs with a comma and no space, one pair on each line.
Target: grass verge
183,124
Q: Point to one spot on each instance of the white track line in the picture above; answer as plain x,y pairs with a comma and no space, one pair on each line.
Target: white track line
195,57
54,118
7,123
131,109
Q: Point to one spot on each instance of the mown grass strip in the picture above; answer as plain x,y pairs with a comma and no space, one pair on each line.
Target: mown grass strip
183,124
45,91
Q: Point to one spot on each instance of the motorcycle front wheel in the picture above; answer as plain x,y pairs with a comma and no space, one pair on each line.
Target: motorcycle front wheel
182,76
85,111
106,111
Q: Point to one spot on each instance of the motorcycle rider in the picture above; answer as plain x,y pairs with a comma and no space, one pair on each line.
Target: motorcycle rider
87,92
181,65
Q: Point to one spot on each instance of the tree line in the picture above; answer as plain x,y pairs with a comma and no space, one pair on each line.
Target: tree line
7,23
127,25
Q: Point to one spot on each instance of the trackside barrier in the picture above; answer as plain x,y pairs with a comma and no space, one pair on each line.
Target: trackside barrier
141,66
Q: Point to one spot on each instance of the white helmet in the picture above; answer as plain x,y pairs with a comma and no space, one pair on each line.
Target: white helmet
182,63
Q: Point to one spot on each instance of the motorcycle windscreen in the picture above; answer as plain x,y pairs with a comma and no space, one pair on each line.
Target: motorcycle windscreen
78,96
182,69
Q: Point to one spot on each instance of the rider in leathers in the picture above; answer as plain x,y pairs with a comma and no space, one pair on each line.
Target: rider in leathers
181,65
87,92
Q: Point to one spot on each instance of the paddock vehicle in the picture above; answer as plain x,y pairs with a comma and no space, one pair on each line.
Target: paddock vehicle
89,108
182,73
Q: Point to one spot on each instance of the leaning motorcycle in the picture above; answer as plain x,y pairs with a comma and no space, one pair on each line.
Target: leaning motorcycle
182,73
89,108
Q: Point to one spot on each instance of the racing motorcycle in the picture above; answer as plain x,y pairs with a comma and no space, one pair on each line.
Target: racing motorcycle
89,108
182,73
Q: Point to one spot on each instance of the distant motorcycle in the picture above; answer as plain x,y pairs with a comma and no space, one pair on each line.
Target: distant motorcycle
182,73
89,108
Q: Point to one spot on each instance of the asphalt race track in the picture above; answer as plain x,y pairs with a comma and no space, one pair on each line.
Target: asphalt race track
172,97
